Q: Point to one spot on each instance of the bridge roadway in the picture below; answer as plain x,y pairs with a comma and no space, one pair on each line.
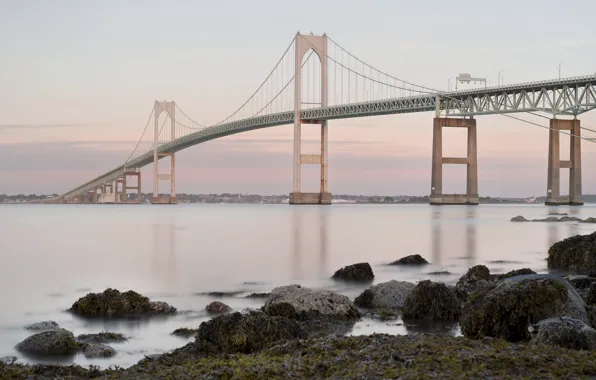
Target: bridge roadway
567,96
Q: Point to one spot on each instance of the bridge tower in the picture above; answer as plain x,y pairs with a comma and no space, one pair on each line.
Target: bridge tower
555,164
170,109
303,44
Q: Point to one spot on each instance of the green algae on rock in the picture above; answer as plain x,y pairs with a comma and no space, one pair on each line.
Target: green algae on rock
577,254
49,343
112,303
102,337
431,301
506,311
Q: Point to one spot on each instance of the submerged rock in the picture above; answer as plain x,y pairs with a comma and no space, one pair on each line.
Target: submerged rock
49,343
577,254
309,303
217,307
431,301
564,332
98,350
42,326
361,272
410,260
257,295
519,218
506,309
112,303
185,332
247,333
102,337
386,295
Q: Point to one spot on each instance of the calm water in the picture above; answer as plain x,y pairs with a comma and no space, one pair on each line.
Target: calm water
52,254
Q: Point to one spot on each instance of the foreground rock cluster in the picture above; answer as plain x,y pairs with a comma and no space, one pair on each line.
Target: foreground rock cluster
516,324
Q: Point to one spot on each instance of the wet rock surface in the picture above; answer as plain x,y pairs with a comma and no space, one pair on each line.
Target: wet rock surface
248,332
98,350
564,332
102,337
576,254
217,307
431,301
42,326
113,303
298,302
565,218
386,295
505,310
360,272
479,277
257,295
49,343
410,260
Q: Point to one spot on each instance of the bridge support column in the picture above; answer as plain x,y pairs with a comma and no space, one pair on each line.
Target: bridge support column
118,194
297,197
137,187
170,109
471,161
94,195
553,191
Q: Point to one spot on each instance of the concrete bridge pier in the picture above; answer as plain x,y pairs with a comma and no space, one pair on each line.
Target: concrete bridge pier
170,109
137,187
471,161
555,164
304,43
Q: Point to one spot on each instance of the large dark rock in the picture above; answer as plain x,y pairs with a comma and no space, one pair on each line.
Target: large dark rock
102,337
479,277
309,303
564,332
247,333
506,310
49,343
185,332
42,326
386,295
360,272
217,307
431,301
112,303
410,260
576,254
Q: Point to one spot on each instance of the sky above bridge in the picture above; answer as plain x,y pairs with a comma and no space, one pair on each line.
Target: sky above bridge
78,80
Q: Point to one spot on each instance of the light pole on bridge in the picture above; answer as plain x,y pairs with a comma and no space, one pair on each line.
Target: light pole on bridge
560,69
499,82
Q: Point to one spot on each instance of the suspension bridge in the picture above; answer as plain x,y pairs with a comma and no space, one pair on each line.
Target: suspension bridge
317,80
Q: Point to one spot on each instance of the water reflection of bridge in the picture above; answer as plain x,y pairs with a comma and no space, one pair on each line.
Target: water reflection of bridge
438,229
302,218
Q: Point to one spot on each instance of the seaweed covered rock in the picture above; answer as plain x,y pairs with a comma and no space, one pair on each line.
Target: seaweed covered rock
102,337
360,272
247,333
310,303
217,307
42,326
410,260
564,332
185,332
386,295
591,295
431,301
479,277
506,310
49,343
98,350
112,303
577,254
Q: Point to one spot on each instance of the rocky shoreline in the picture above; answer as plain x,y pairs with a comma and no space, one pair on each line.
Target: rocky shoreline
516,324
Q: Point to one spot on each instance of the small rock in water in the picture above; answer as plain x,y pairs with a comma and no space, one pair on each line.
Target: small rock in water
42,326
217,307
51,342
185,332
387,295
98,351
232,293
564,332
440,273
102,337
112,303
590,220
257,295
557,213
355,272
410,260
431,301
519,218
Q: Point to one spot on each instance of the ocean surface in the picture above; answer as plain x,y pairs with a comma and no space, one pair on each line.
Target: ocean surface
50,255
